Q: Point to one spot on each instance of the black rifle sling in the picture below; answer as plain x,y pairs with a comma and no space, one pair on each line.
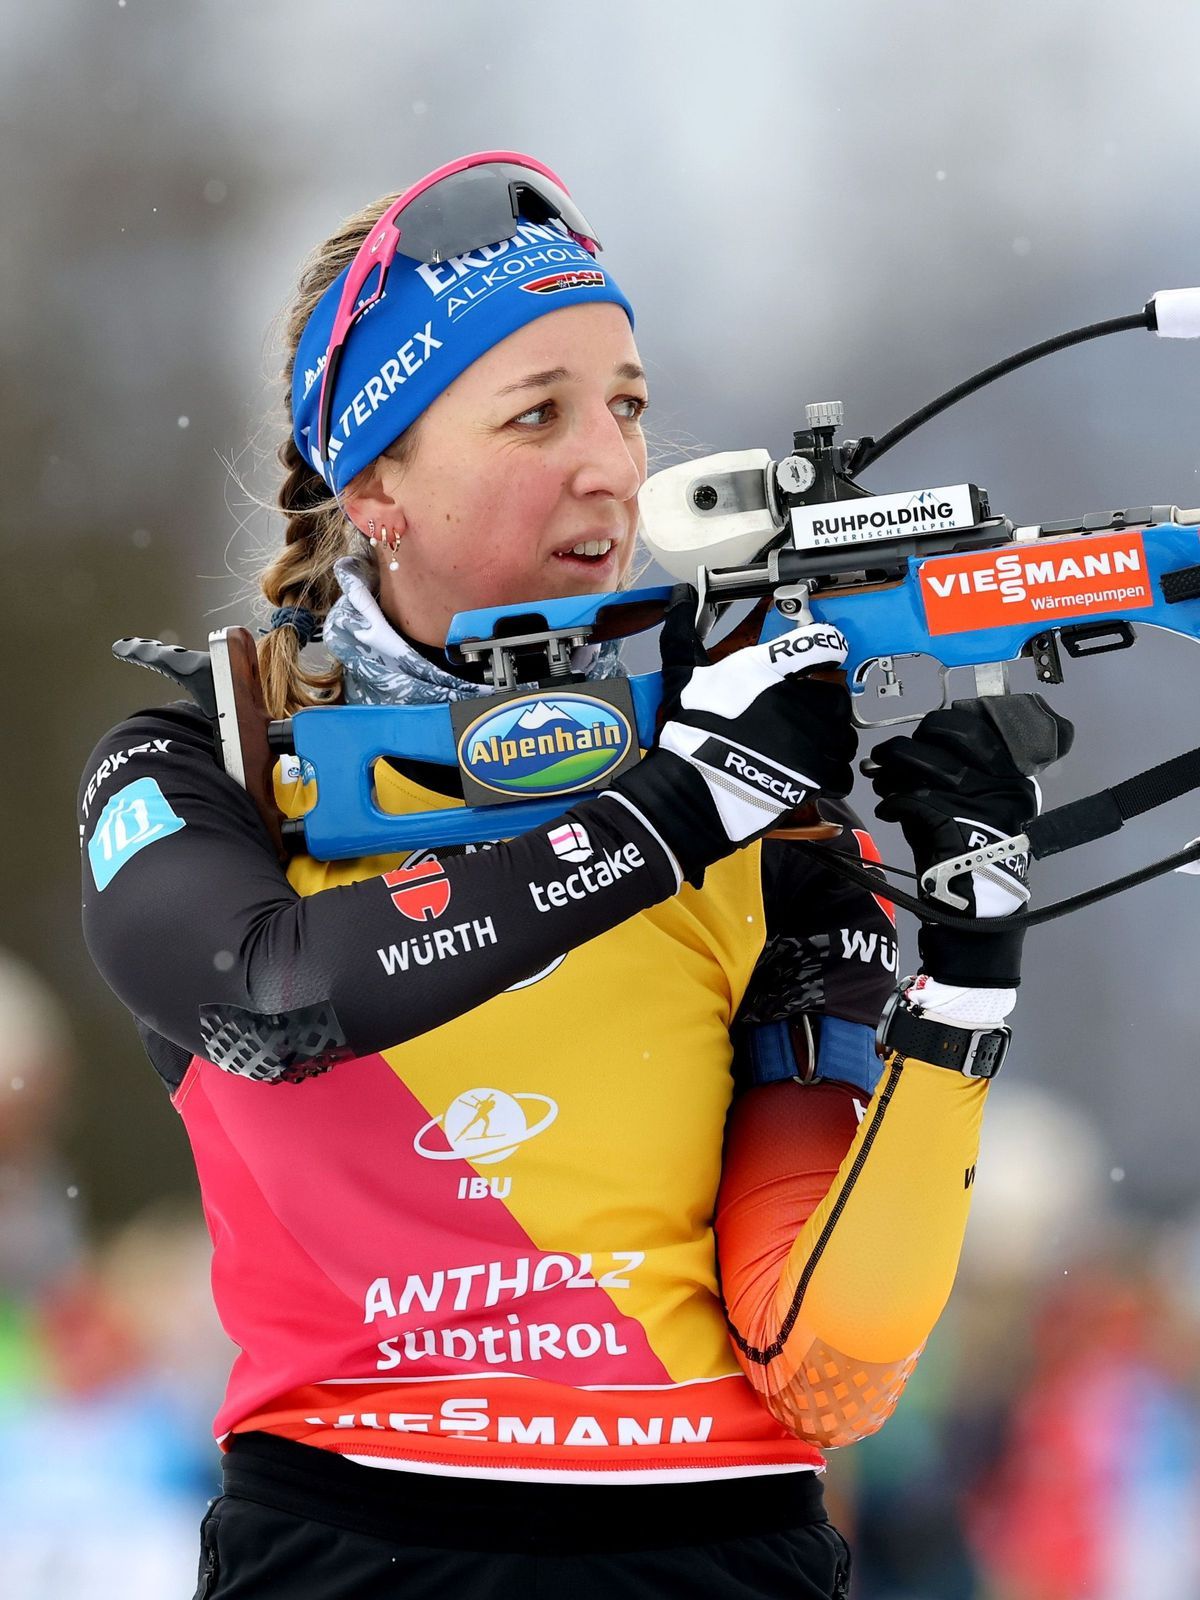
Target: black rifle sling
1078,822
1096,815
871,879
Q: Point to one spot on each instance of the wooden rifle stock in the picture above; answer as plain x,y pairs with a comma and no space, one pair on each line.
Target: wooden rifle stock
243,725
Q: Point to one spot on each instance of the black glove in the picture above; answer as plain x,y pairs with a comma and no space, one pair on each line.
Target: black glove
958,783
741,742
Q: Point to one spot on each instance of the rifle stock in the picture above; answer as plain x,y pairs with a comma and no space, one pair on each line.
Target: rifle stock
244,726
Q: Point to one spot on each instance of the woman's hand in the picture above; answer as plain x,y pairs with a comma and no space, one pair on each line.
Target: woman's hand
960,782
743,741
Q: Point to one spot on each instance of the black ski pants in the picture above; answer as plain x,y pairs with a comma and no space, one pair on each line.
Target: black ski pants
289,1527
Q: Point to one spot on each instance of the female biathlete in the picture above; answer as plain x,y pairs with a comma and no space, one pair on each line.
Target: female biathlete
561,1208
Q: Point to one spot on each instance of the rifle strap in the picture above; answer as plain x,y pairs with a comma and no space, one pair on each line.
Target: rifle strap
1096,815
1078,822
871,879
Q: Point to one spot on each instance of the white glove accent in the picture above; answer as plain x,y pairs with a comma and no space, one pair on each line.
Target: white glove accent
749,790
959,1006
729,687
1000,887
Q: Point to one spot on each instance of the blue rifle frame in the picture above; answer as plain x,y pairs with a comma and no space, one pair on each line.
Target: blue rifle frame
341,744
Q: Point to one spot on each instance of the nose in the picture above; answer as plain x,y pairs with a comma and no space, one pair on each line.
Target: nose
611,460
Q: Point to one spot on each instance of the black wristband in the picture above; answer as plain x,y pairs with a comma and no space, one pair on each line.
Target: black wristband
973,1052
975,960
674,799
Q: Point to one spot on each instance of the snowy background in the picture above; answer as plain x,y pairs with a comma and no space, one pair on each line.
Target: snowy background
865,202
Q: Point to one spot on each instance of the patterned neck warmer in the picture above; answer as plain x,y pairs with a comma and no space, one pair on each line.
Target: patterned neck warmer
380,668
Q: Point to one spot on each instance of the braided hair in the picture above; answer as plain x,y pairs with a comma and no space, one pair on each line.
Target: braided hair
317,532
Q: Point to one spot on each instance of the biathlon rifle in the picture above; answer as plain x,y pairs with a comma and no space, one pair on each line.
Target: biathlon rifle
931,572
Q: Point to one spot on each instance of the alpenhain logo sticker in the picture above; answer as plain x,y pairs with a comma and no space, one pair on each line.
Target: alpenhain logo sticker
1050,581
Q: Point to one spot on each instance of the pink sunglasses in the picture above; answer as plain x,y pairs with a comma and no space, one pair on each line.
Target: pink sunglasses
460,207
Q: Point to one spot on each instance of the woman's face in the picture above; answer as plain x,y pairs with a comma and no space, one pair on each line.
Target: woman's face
533,453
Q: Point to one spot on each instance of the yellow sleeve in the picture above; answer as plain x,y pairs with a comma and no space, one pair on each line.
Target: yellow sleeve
839,1231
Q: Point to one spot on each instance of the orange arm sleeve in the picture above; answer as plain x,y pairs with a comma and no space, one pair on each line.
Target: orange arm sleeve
838,1237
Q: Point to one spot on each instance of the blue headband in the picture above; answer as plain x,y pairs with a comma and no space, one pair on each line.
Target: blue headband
432,322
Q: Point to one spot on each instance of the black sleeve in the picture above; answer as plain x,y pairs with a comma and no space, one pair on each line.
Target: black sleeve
191,920
830,948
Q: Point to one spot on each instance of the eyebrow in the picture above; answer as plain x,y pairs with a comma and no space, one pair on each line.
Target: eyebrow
539,380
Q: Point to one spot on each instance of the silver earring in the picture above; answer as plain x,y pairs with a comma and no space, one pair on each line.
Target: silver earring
371,531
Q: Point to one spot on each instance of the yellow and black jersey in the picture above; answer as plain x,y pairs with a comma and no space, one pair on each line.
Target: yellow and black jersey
459,1122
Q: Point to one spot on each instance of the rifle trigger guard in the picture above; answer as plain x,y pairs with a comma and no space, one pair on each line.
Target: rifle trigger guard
935,880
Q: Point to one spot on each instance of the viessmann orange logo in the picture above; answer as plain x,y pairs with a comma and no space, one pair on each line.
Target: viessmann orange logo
1047,581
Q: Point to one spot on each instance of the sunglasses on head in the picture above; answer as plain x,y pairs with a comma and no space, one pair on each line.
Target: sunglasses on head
463,206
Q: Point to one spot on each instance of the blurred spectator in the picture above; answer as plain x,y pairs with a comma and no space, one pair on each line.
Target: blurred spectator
1041,1191
1096,1477
1048,1447
39,1235
110,1364
1094,1494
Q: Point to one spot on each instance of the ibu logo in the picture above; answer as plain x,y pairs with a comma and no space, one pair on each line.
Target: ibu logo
484,1125
543,745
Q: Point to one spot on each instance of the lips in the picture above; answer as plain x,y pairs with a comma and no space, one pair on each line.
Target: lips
587,549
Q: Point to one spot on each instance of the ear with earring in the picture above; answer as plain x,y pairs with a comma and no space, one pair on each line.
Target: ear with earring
389,540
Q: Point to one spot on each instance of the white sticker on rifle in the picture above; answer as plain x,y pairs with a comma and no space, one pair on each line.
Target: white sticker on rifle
883,516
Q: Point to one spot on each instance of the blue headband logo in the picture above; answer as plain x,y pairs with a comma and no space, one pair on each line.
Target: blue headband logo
589,278
403,364
467,280
412,343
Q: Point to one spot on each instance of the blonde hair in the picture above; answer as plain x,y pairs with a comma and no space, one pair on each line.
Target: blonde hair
318,532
